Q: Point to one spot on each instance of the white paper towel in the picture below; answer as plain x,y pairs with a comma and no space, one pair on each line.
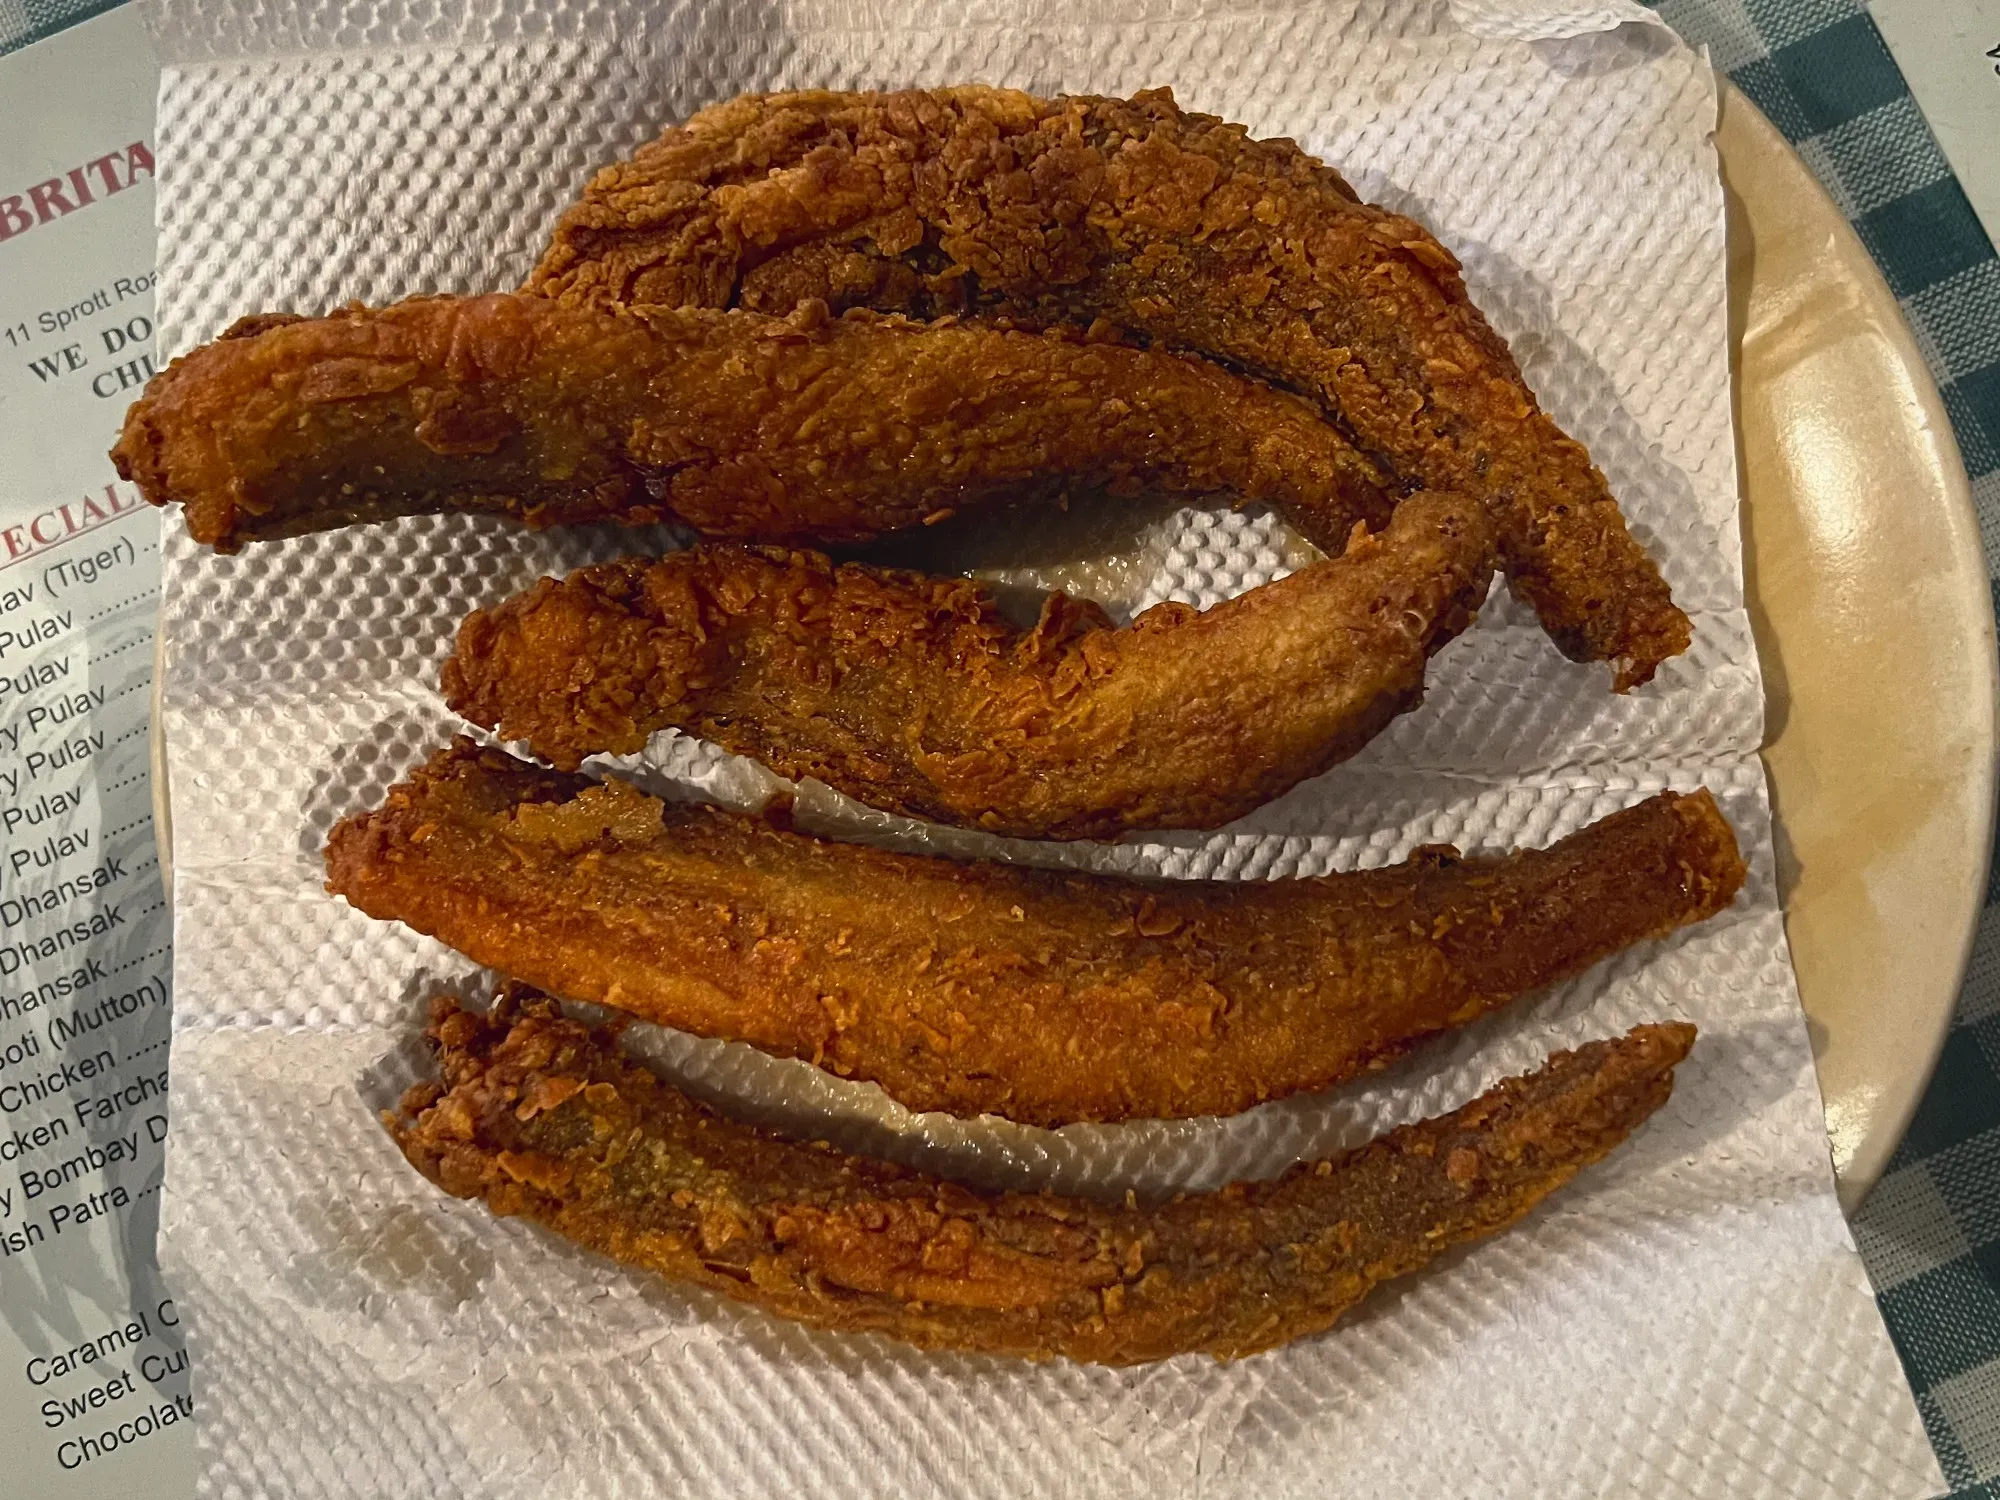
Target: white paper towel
1689,1319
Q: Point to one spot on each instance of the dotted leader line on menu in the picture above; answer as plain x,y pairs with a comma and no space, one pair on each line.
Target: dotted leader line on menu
137,640
112,609
137,729
133,963
165,1041
136,823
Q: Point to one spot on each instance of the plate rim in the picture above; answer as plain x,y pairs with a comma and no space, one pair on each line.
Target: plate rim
1742,125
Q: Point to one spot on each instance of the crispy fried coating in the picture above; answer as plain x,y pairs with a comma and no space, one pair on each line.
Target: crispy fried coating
739,425
543,1118
1170,225
916,694
972,987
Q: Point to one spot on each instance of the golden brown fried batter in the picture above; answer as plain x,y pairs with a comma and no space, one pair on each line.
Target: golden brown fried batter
543,1118
737,424
1173,226
916,694
977,987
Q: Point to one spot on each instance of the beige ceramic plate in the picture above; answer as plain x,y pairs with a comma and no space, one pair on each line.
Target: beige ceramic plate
1869,598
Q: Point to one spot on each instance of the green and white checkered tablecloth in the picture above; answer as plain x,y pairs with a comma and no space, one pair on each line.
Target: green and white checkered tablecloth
25,21
1930,1232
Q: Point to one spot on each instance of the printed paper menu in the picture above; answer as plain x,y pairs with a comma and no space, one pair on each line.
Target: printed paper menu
1949,51
94,1390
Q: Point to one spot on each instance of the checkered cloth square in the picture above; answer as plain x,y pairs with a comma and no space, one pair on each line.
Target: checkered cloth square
1930,1233
25,21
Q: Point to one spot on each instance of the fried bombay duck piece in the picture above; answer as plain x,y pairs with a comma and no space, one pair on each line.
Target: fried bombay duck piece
975,987
544,1118
916,694
737,424
1173,226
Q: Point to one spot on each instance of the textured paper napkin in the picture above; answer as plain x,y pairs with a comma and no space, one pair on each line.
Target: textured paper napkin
1688,1319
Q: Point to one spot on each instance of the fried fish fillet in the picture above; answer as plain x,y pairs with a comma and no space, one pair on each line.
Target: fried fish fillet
972,987
737,424
916,694
543,1118
1174,226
